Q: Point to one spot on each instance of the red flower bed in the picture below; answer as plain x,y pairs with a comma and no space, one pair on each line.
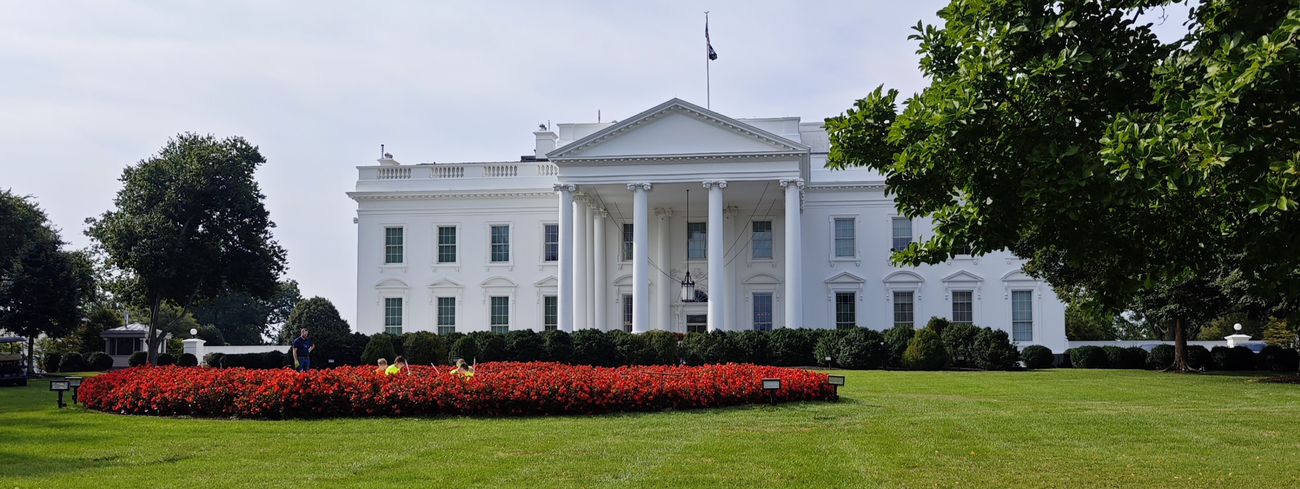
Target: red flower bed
499,389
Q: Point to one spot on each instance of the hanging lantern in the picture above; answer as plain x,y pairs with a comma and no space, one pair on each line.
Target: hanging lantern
688,288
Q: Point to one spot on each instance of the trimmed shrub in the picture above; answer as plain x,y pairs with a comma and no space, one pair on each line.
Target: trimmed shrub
925,352
50,362
465,348
1277,359
137,359
712,348
630,349
399,344
557,346
958,340
664,345
73,362
187,360
522,345
491,346
380,346
592,347
1037,356
751,347
993,350
1198,357
860,349
232,361
896,341
424,348
276,359
1088,357
938,325
1161,357
1137,357
1237,358
1125,358
790,347
828,346
213,359
100,361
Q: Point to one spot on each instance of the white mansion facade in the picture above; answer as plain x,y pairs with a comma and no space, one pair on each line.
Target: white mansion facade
593,231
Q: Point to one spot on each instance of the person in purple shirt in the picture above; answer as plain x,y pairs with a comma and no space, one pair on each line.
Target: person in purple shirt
302,347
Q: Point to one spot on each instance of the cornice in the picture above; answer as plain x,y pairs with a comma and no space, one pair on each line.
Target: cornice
373,196
691,157
847,186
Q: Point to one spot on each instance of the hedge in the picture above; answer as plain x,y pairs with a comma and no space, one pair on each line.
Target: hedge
50,362
1088,357
1236,358
993,350
1037,356
73,362
860,348
137,359
1277,359
958,338
925,352
187,360
100,361
896,341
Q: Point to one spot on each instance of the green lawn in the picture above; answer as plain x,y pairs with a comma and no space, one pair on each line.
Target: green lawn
1051,428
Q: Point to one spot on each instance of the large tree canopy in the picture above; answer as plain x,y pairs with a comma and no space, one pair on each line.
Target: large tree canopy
189,226
246,320
1068,133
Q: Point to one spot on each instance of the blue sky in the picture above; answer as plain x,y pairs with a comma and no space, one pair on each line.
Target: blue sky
90,87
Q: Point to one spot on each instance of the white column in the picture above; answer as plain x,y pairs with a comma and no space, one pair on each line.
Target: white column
564,312
580,262
599,284
640,257
716,250
664,289
592,322
734,226
793,253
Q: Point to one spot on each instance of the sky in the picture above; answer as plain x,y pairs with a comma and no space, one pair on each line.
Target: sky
88,88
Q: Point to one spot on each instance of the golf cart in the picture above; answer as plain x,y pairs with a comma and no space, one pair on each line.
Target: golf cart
13,365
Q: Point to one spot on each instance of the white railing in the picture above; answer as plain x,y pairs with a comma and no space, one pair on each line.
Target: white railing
548,170
498,171
394,173
448,172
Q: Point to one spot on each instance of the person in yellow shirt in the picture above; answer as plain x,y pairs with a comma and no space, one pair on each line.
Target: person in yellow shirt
463,369
398,365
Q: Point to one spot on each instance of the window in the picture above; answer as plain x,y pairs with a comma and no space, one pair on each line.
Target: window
762,242
393,315
763,311
964,250
844,239
697,323
697,241
500,314
1022,315
446,244
500,243
627,313
627,242
962,310
902,232
903,310
846,313
446,315
393,245
551,239
123,346
550,313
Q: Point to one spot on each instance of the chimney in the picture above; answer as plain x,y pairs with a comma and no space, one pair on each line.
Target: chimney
388,160
545,143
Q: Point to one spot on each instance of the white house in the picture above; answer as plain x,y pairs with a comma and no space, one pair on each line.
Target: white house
593,231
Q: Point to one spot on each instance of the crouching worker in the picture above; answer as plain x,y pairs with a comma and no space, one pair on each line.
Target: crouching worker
463,369
382,366
399,364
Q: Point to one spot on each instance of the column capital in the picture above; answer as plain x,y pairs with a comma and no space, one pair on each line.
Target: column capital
602,213
663,212
788,182
565,187
639,186
715,183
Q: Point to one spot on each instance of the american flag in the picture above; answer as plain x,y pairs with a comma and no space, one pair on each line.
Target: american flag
709,44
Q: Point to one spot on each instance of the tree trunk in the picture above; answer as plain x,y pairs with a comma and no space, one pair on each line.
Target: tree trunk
151,341
1180,348
31,356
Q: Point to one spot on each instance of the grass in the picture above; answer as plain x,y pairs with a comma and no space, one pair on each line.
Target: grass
1050,428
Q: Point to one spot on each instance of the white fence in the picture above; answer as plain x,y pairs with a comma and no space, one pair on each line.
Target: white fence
1149,344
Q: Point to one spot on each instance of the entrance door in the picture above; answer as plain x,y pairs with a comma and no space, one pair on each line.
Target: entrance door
697,323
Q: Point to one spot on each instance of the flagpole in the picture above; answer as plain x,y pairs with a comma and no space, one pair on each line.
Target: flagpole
708,89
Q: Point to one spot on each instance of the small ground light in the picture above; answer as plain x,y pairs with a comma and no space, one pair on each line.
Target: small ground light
74,383
771,386
60,386
835,381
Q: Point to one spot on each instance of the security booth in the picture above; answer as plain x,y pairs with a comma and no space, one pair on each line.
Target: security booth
122,341
13,363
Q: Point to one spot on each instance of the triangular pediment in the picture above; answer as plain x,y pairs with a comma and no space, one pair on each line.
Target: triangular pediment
445,283
676,128
963,276
550,281
846,278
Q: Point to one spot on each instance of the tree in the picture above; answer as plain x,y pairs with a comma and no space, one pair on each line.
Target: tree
318,315
189,225
42,287
245,320
1113,163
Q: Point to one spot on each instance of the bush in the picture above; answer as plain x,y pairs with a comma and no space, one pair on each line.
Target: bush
958,340
751,347
138,359
701,348
50,362
1138,357
276,359
1037,356
491,346
187,360
828,346
213,359
1125,358
896,340
592,347
664,345
790,347
925,352
522,345
1277,359
100,361
860,349
993,350
557,346
73,362
465,348
1198,357
165,359
380,346
630,349
1088,357
938,325
424,348
232,361
1238,358
1161,357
